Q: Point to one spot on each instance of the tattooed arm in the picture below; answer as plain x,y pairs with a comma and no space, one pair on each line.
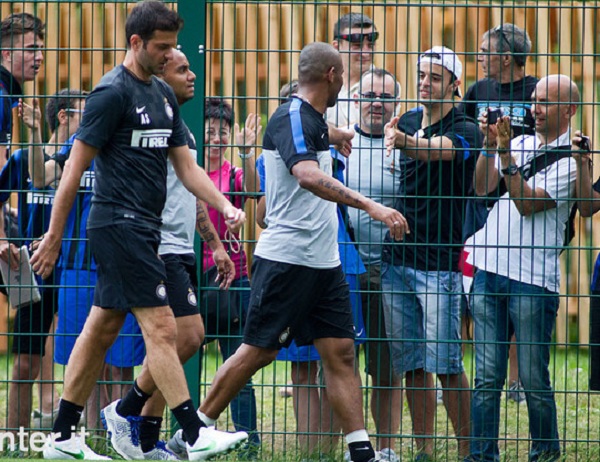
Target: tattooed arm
312,178
207,231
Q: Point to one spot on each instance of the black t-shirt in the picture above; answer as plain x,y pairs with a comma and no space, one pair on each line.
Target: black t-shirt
432,195
514,98
10,92
133,123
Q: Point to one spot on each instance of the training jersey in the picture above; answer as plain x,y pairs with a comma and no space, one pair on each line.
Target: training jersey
179,215
302,227
75,251
513,98
10,91
432,195
132,123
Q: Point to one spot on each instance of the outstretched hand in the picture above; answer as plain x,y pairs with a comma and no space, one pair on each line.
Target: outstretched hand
394,138
393,219
30,115
225,268
234,218
44,257
247,137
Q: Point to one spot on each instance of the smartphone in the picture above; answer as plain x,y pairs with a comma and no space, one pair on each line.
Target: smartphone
585,143
493,116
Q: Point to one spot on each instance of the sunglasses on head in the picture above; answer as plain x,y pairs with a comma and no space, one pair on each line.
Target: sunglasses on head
431,55
358,37
500,30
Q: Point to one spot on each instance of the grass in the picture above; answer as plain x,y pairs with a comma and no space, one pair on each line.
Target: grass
578,412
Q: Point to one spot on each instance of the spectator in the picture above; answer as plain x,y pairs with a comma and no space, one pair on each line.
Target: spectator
516,283
506,87
421,281
355,37
21,42
374,173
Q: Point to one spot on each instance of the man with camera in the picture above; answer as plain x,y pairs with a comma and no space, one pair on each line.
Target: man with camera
517,279
421,281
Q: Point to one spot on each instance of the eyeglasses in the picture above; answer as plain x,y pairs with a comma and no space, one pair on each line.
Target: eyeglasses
500,30
74,111
384,97
358,37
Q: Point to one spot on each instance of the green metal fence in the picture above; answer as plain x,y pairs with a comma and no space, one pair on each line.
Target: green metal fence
244,51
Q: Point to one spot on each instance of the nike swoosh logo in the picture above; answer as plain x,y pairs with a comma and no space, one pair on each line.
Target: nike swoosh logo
208,447
359,333
139,110
77,455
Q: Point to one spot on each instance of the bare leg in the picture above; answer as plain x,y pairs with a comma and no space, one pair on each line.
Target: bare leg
306,405
342,384
190,335
232,376
457,399
513,372
87,358
48,394
386,409
421,403
25,368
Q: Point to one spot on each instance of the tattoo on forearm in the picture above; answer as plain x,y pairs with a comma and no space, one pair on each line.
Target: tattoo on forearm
203,223
349,198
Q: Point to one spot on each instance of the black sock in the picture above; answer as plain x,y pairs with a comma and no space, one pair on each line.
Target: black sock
361,451
188,420
67,419
133,402
149,432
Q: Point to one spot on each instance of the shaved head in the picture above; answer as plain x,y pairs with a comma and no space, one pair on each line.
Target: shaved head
561,87
316,59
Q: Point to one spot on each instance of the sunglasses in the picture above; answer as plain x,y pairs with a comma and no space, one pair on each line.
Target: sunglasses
384,97
358,37
500,30
431,56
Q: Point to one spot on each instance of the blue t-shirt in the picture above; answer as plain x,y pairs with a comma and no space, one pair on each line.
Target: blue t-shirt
76,254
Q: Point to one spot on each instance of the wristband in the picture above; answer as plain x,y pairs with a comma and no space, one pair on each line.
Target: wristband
246,155
484,153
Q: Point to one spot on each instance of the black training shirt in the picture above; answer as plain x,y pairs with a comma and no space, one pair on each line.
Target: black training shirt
133,123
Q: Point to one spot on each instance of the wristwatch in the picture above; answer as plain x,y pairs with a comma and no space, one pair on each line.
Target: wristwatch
511,170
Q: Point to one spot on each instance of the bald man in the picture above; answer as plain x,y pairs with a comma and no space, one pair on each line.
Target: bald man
298,287
518,274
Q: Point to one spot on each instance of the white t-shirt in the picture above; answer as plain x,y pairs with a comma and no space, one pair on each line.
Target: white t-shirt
526,249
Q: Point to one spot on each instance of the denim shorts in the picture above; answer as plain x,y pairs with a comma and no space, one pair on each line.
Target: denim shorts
422,317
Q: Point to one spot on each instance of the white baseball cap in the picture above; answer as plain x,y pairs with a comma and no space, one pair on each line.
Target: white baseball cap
443,56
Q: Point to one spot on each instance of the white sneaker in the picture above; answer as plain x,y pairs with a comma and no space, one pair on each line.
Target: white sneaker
177,446
123,432
160,452
73,448
388,455
212,442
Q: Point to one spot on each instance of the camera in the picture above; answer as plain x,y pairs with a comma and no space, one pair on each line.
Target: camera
584,144
493,115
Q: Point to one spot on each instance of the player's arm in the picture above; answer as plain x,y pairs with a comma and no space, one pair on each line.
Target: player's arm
206,229
46,254
261,212
425,150
312,178
198,183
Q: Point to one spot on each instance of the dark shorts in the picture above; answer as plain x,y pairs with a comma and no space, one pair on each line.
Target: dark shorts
296,302
182,279
130,272
33,322
377,348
